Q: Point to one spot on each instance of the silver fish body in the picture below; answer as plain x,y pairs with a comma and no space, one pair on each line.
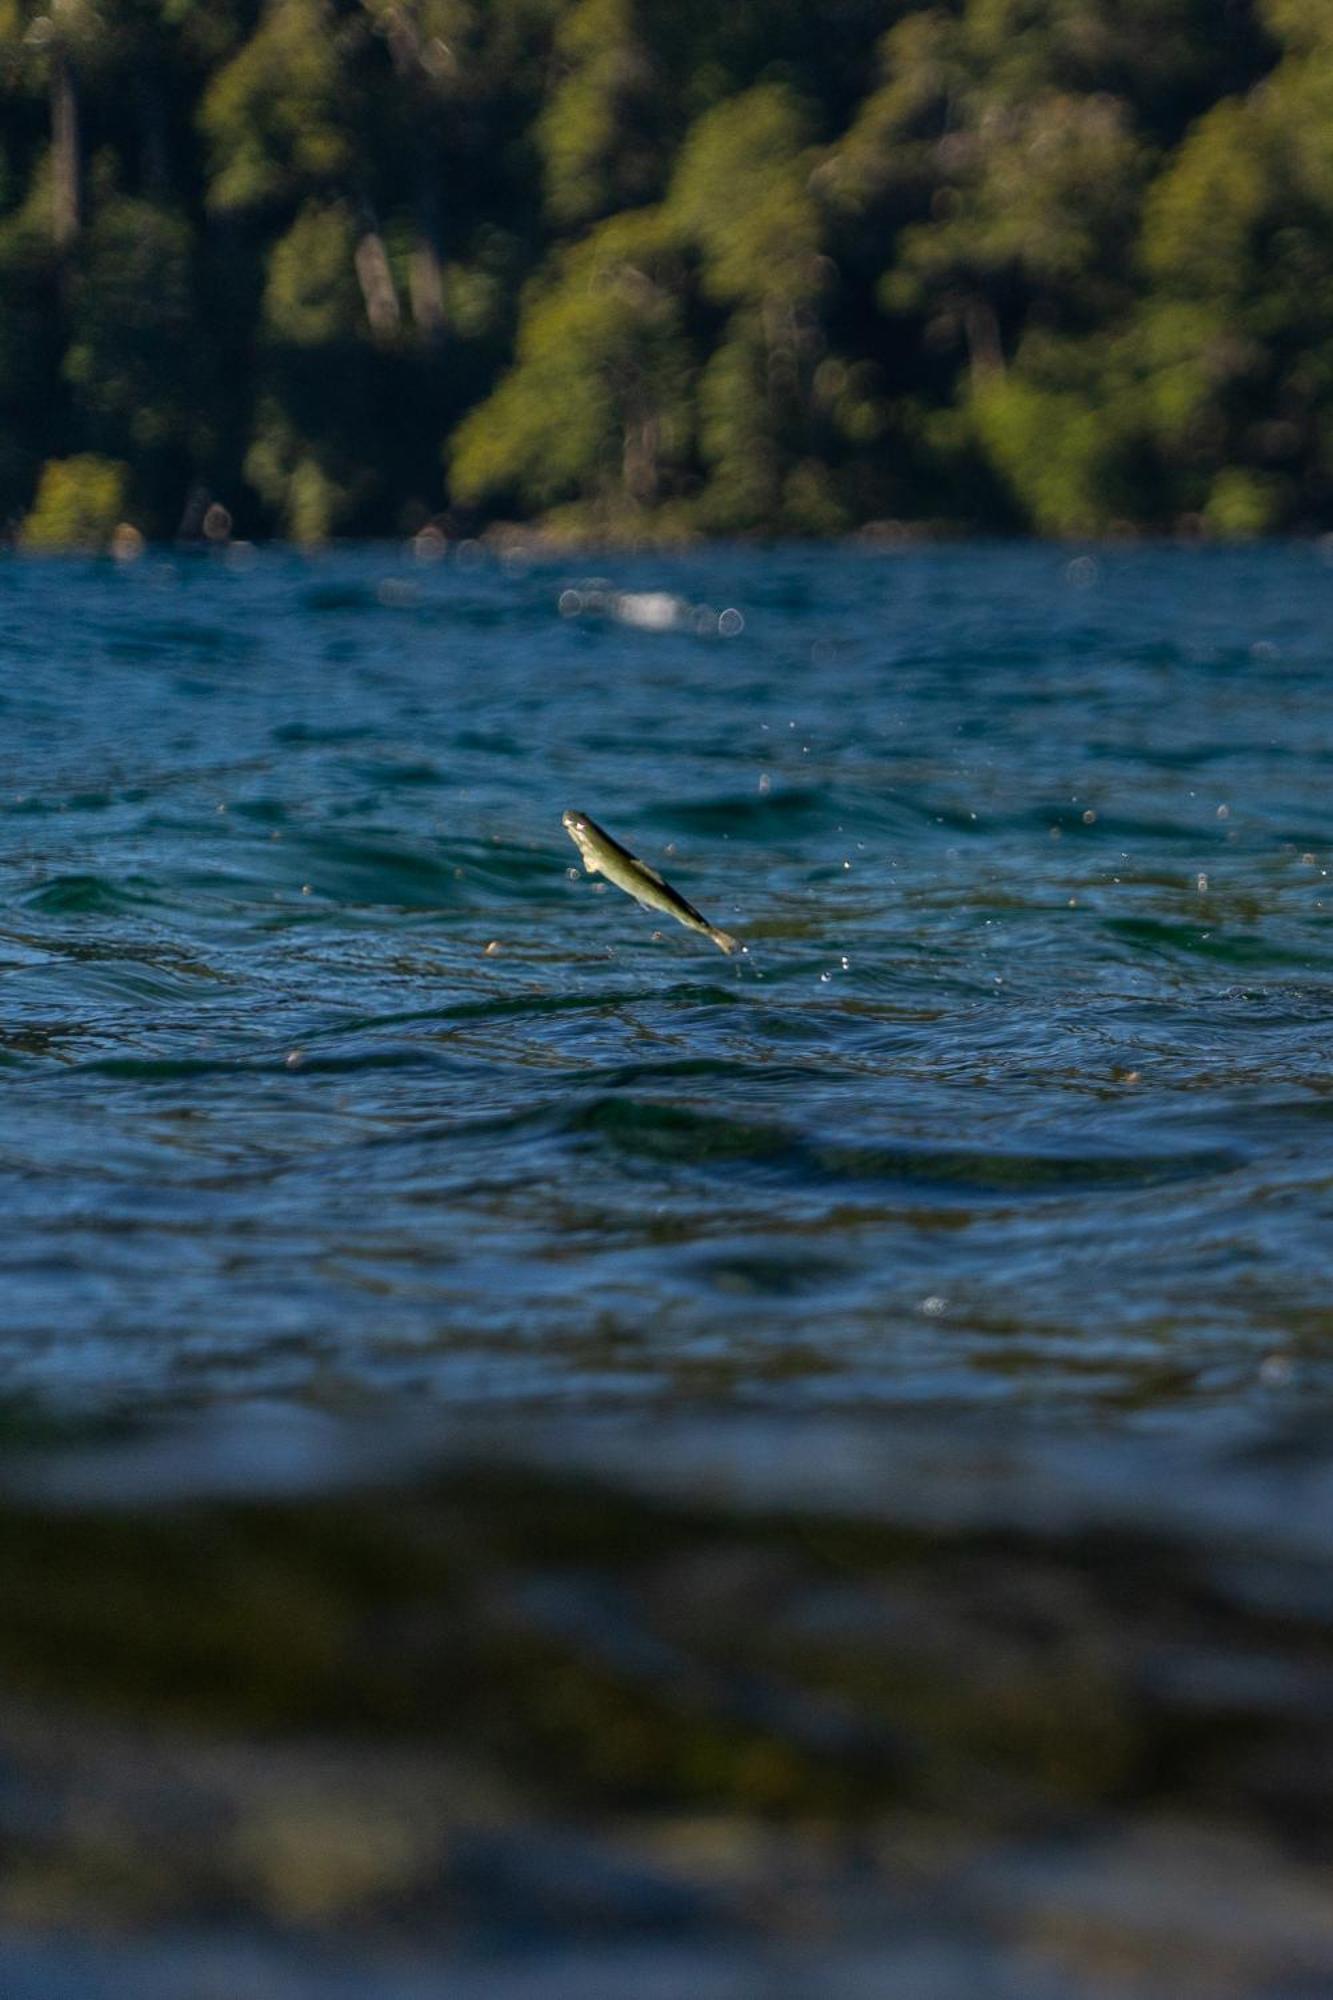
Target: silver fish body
602,855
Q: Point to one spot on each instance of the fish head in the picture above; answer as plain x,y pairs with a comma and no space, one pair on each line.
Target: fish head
584,836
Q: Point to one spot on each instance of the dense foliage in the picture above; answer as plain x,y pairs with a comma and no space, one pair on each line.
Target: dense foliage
657,267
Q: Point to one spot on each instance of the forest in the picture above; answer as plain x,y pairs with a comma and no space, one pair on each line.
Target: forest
643,270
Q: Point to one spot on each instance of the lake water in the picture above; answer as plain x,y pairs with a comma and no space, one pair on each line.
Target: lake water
834,1441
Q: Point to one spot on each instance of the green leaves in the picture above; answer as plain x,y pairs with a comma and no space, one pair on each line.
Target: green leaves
601,129
128,357
741,192
1233,330
278,117
597,406
311,294
1059,430
78,505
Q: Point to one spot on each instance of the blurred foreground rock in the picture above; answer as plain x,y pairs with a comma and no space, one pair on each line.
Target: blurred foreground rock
556,1730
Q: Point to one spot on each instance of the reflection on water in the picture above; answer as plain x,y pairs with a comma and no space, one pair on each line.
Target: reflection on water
542,1456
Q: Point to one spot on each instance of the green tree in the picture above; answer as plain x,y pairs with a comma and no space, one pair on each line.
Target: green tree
280,117
79,502
1238,375
56,48
743,195
1005,161
130,359
603,129
595,414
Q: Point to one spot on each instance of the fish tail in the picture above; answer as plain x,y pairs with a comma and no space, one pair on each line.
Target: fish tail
723,940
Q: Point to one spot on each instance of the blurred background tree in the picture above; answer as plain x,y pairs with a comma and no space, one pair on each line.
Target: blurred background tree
656,267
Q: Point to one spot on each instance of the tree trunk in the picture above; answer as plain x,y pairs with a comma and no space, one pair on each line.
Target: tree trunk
414,61
425,273
985,349
425,284
378,292
65,192
638,460
154,164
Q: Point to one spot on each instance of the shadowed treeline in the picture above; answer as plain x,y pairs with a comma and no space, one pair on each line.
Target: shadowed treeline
655,267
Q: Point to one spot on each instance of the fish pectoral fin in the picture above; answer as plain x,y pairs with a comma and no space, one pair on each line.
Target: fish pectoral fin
659,879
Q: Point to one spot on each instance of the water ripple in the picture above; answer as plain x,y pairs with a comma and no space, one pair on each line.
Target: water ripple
1019,1092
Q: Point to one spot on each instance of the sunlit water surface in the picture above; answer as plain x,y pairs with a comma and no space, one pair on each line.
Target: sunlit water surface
334,1095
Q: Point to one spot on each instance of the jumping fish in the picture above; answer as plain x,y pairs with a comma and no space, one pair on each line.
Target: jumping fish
604,856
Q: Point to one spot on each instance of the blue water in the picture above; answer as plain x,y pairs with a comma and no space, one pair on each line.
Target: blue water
538,1458
1020,1094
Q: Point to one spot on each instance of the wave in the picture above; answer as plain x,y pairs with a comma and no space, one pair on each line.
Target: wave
87,895
647,1133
